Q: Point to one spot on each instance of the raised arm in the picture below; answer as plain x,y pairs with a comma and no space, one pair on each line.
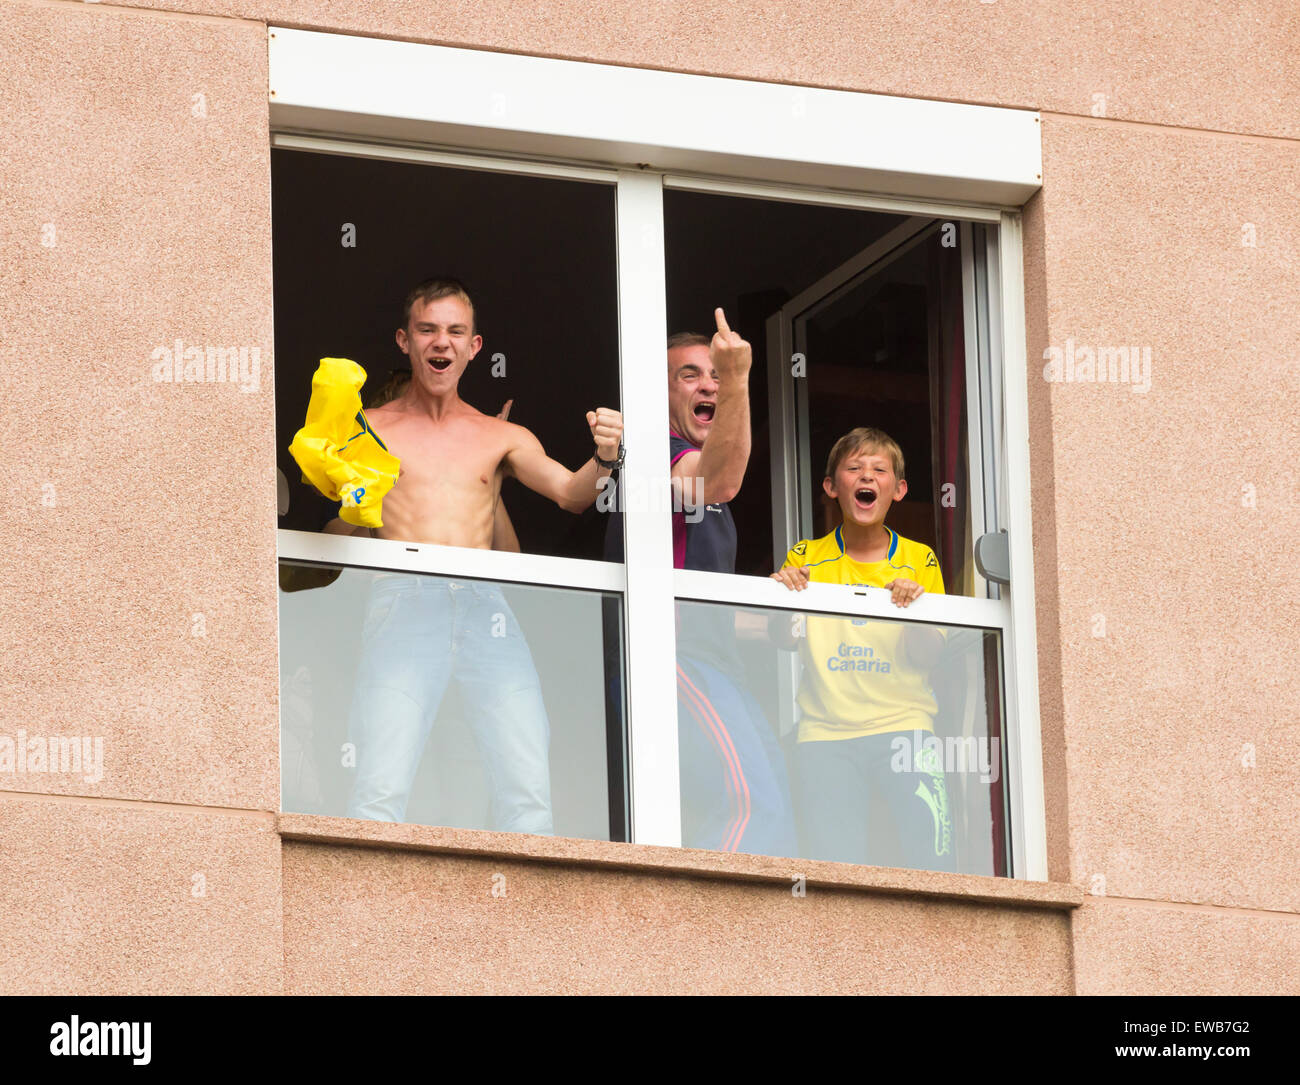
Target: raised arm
573,491
725,456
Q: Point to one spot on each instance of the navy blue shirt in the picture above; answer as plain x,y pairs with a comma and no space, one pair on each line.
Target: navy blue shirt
704,538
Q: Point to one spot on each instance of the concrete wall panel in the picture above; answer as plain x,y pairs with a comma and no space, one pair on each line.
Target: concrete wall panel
1173,509
140,575
137,899
385,922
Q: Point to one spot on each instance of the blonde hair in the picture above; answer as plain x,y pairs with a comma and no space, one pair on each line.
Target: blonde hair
864,438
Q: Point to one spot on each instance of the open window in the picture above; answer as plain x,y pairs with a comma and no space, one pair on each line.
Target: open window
595,210
354,232
858,318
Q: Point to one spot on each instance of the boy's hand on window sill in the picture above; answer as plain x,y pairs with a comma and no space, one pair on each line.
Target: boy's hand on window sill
794,577
903,592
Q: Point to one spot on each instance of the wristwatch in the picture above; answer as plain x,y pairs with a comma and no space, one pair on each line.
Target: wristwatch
613,465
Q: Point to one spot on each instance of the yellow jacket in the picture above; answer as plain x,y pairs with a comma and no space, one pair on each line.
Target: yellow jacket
338,451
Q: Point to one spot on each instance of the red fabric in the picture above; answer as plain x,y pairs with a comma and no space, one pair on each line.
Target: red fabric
706,716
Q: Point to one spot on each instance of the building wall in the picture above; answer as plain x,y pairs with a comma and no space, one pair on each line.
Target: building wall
135,211
403,922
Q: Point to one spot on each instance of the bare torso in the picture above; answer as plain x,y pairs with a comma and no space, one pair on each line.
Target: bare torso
451,473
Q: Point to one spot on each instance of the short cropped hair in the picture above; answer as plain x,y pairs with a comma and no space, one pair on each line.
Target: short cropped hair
868,439
688,339
435,288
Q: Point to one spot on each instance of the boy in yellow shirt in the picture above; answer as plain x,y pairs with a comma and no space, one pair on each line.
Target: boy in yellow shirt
866,680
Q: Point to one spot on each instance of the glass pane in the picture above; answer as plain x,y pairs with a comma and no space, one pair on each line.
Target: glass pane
751,257
887,349
894,756
351,237
438,701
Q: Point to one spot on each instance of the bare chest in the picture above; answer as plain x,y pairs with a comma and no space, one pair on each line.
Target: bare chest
458,453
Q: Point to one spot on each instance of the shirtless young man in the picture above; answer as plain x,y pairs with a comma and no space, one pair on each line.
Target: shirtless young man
420,631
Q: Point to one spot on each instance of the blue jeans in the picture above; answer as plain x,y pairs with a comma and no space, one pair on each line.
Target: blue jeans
419,632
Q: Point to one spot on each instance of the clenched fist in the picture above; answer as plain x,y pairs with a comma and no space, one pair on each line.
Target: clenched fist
606,430
730,355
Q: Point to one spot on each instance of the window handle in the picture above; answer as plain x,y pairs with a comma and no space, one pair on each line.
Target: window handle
992,557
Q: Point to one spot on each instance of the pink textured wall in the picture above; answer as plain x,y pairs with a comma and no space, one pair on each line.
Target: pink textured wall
140,595
1192,63
140,602
1158,948
139,585
362,920
1166,517
102,898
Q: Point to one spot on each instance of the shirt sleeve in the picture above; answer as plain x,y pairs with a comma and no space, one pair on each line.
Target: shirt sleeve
797,555
930,576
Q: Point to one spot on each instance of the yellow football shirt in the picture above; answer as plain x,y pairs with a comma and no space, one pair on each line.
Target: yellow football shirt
856,679
338,451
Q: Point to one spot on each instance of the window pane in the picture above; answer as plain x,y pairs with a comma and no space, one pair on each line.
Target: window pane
751,257
894,756
857,318
886,349
440,701
351,236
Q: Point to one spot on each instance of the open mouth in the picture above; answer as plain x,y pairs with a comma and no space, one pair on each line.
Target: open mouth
440,365
865,497
704,412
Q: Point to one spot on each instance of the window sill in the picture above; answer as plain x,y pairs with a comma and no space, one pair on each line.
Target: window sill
646,858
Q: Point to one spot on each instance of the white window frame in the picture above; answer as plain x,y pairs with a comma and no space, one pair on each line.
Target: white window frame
643,131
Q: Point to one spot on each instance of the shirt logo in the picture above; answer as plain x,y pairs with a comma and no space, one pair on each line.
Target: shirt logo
930,562
801,549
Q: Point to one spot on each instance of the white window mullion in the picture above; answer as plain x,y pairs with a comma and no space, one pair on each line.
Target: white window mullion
396,555
890,205
760,592
975,432
650,688
460,160
992,372
1025,761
